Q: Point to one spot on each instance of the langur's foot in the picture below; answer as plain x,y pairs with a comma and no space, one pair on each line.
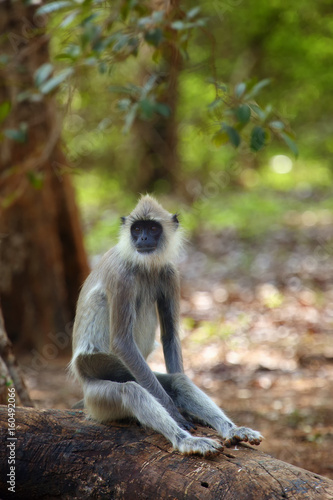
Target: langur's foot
238,434
198,445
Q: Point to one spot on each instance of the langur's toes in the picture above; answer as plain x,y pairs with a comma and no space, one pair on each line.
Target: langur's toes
242,434
255,441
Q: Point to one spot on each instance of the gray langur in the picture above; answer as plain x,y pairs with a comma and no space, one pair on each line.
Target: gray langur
135,283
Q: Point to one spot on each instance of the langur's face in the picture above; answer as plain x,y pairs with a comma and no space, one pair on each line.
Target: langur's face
146,235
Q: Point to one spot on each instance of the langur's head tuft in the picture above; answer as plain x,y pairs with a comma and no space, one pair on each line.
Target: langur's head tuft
150,235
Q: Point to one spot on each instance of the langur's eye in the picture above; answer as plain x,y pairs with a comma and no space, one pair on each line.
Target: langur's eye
137,229
153,228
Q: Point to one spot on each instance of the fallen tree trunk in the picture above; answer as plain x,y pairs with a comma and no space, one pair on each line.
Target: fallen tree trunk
58,453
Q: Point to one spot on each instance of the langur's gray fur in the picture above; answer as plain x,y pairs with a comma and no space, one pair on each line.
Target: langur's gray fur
114,332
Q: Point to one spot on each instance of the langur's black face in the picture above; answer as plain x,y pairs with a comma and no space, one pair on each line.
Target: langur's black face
146,235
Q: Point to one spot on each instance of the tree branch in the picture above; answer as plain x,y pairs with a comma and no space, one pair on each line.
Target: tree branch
59,453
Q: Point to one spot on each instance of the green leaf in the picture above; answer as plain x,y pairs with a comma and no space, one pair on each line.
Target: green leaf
130,117
28,95
162,109
56,80
18,135
72,51
120,90
149,85
257,88
121,43
129,89
222,86
214,104
87,20
42,73
91,34
240,89
103,67
200,22
243,113
178,25
258,138
290,143
36,179
193,12
154,37
133,45
147,108
233,135
124,104
52,7
69,19
143,22
268,109
5,108
258,111
90,61
277,125
158,16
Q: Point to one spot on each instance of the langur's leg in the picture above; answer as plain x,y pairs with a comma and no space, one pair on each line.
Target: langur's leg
187,396
106,401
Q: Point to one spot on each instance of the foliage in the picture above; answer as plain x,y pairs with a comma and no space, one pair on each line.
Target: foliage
95,35
240,107
292,46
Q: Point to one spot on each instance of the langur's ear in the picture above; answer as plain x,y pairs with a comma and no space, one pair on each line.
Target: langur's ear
123,220
175,220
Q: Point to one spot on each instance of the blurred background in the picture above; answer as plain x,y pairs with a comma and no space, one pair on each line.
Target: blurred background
222,110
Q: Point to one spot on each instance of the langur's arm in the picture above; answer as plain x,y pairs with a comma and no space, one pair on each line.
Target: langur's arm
168,310
124,346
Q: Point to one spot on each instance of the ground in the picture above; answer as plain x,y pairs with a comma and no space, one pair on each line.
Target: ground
257,321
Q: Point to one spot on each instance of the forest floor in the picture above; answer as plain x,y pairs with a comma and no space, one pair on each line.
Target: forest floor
257,334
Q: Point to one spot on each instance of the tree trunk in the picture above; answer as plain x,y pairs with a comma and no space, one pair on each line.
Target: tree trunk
42,258
158,137
60,454
11,379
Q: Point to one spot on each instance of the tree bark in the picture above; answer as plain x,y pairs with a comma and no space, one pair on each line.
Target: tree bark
11,376
58,453
42,258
